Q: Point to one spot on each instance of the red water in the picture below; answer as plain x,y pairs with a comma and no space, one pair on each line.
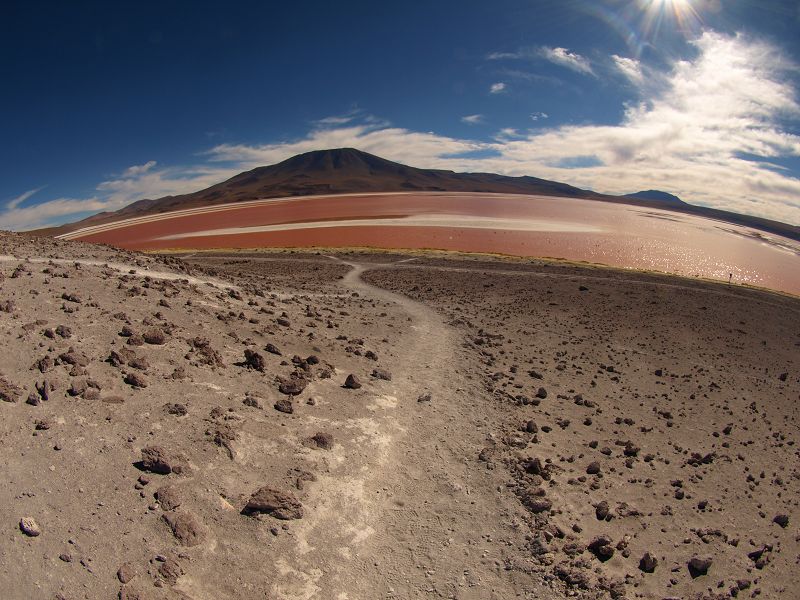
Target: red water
598,232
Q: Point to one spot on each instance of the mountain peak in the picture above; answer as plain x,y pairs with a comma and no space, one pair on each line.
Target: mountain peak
657,195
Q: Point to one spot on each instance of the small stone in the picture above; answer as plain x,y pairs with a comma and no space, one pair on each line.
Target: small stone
253,360
593,468
322,440
185,527
276,503
135,380
602,547
156,460
125,573
382,374
168,497
699,566
155,336
29,526
284,405
601,511
292,387
352,382
648,563
782,520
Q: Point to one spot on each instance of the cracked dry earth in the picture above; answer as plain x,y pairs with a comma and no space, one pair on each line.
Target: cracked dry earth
292,425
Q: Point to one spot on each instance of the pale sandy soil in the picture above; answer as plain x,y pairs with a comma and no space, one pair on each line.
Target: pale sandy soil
418,486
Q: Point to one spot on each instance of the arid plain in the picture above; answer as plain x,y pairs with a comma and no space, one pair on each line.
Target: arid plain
373,425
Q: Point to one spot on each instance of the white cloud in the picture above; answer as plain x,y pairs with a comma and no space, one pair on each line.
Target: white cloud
629,67
137,170
505,55
687,136
498,88
472,119
565,58
15,202
536,116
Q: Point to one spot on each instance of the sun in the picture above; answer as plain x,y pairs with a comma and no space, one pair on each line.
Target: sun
680,12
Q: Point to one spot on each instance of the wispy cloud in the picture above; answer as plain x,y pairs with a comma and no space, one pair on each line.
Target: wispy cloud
15,202
538,116
472,119
137,170
688,136
498,88
629,67
565,58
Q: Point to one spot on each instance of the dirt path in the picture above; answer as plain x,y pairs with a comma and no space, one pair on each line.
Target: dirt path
407,512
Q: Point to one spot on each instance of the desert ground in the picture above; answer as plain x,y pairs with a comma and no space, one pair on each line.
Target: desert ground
358,425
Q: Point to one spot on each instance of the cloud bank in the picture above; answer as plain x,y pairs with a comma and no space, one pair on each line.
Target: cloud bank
714,131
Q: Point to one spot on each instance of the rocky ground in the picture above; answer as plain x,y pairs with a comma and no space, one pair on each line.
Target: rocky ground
296,426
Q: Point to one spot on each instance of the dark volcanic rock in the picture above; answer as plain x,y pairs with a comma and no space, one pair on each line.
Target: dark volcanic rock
284,405
782,520
648,563
155,336
135,380
593,468
352,382
601,510
293,386
602,547
699,566
278,504
253,360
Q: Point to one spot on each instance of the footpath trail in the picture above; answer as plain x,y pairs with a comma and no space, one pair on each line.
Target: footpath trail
408,511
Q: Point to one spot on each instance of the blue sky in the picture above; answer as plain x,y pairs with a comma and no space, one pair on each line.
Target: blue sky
106,103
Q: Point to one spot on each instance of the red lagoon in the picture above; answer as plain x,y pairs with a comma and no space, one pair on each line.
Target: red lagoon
617,235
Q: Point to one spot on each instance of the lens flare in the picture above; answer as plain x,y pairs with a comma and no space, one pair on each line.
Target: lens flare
640,22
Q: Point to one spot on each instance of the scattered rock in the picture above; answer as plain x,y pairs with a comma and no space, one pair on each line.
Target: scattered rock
155,336
602,547
699,566
169,497
278,504
593,468
352,382
125,573
292,386
782,520
382,374
29,527
284,405
648,563
185,527
253,360
8,391
136,380
322,440
157,460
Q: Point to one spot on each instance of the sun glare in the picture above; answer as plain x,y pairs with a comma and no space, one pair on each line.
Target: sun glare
680,12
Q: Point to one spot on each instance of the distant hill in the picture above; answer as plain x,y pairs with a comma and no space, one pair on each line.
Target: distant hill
351,171
657,195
